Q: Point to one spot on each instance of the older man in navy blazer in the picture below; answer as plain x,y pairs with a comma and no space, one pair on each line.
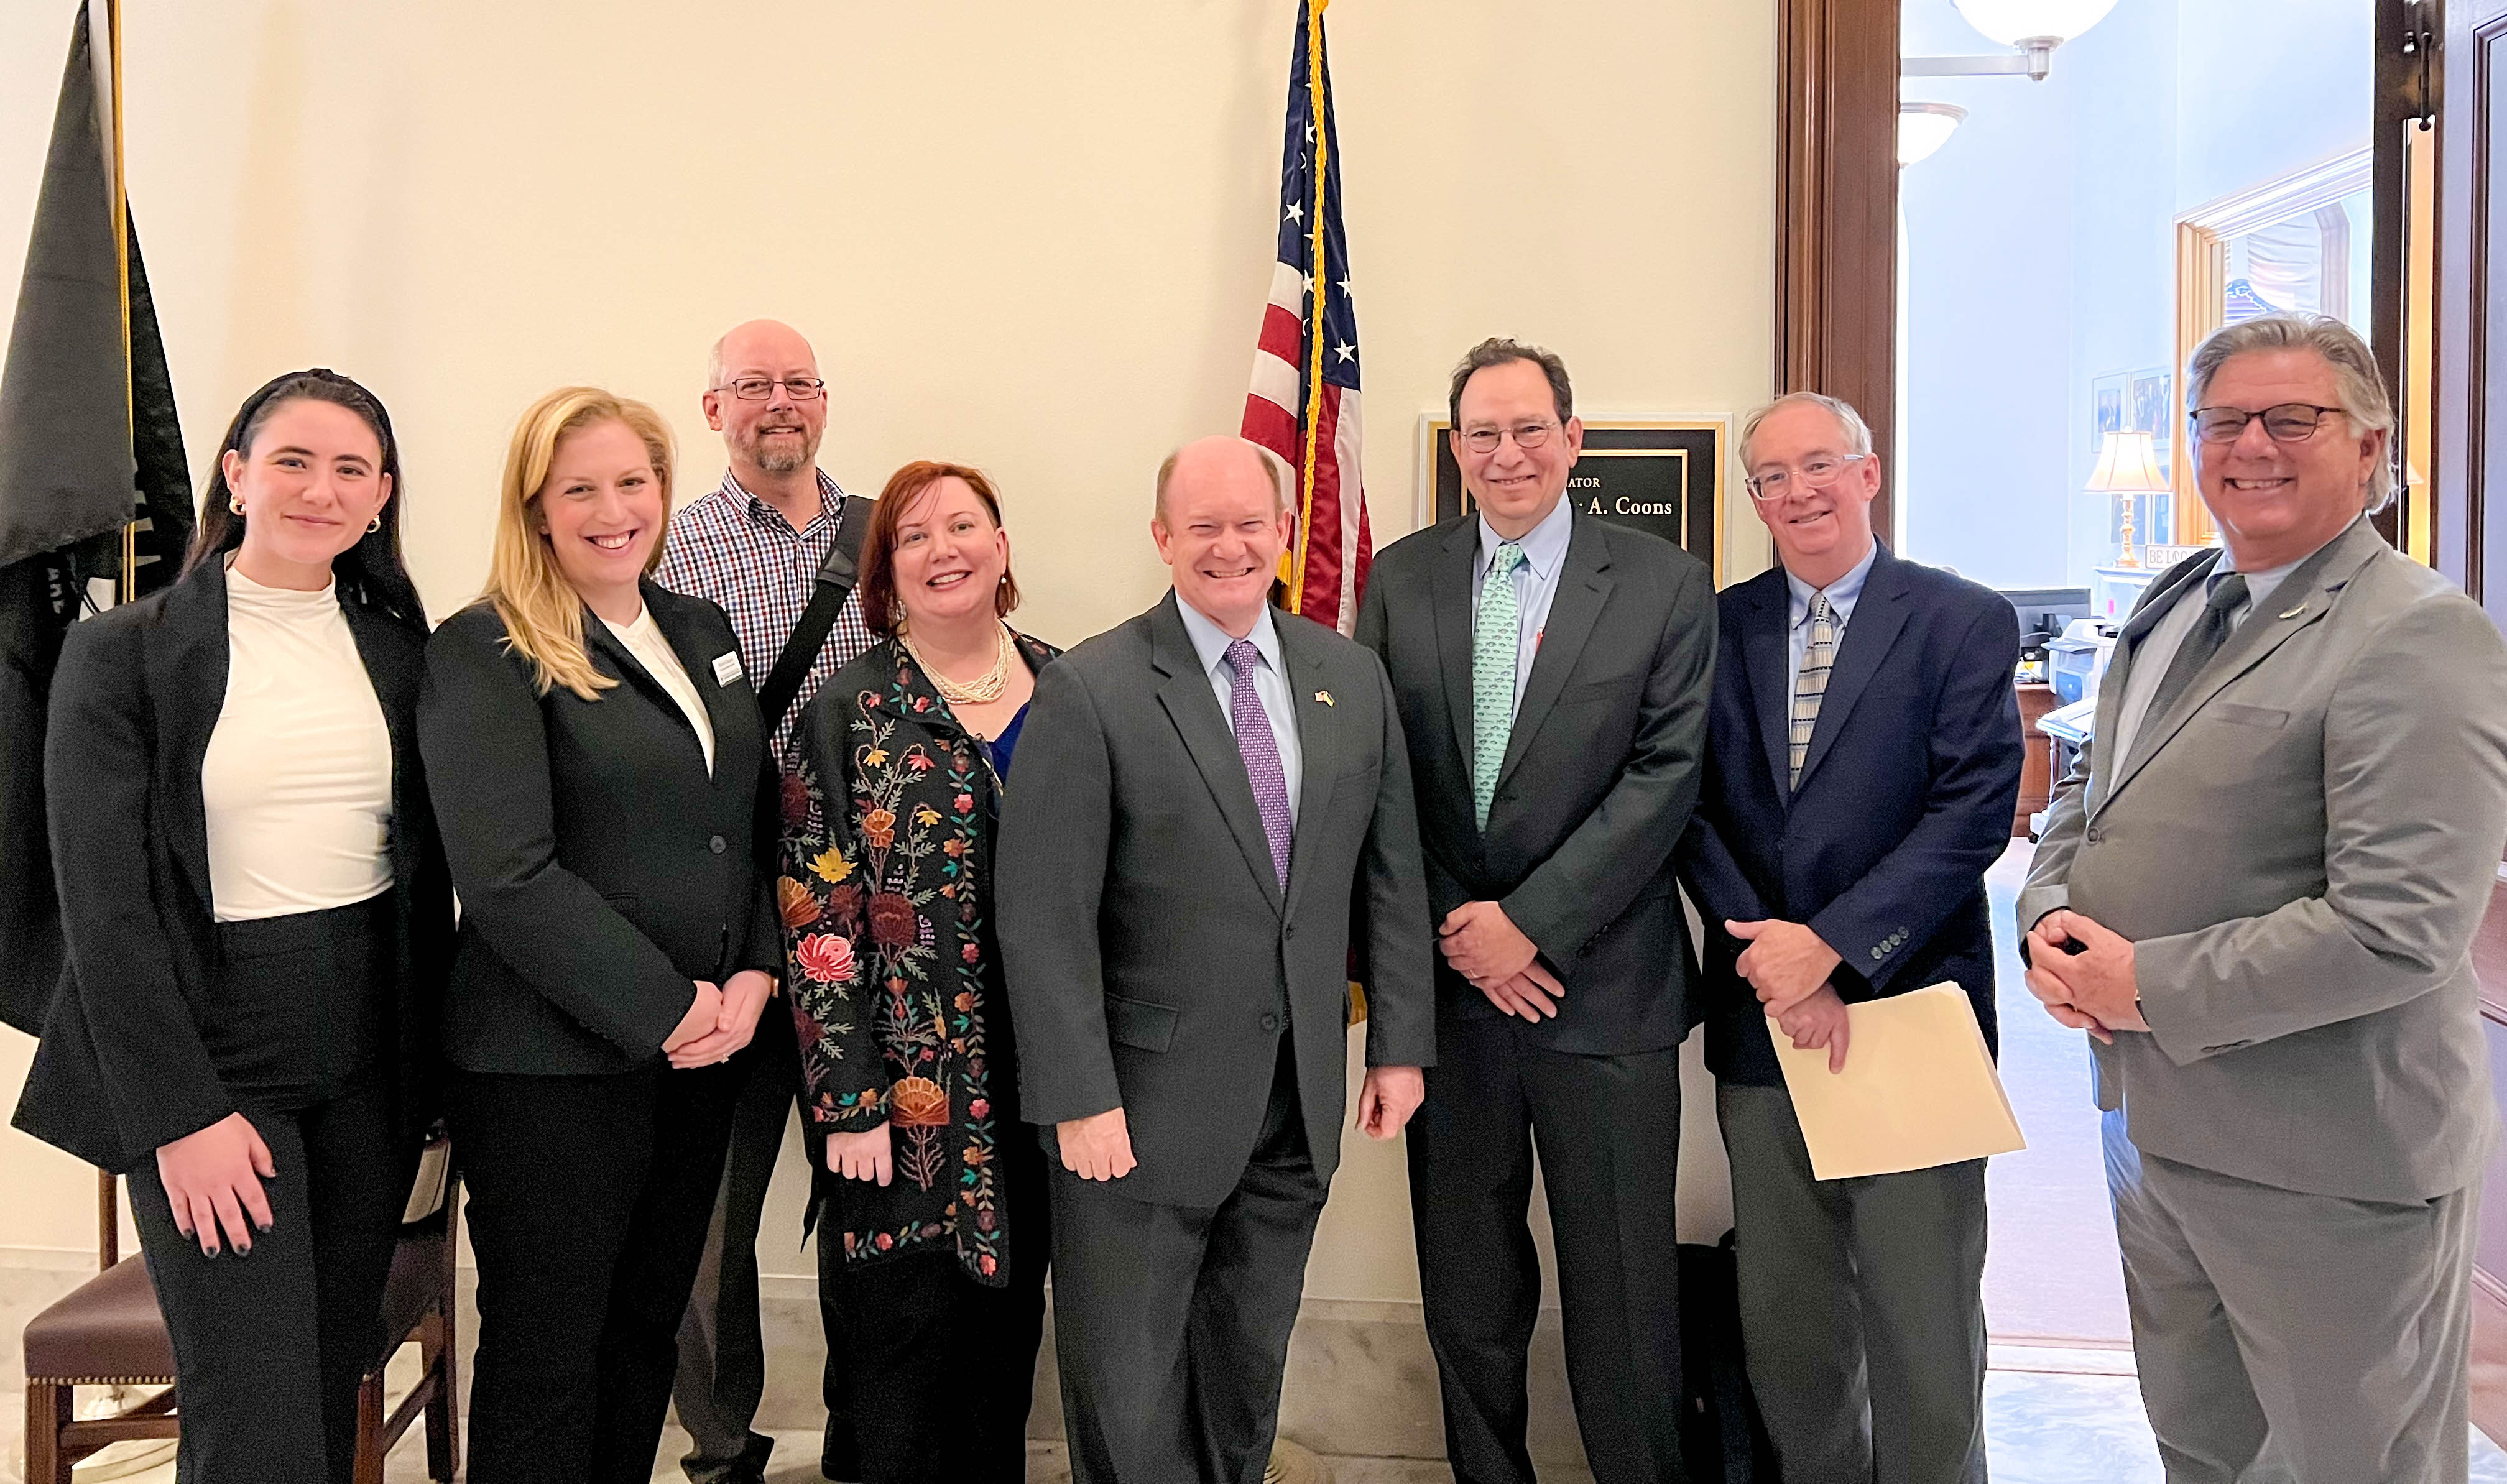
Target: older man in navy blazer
1863,761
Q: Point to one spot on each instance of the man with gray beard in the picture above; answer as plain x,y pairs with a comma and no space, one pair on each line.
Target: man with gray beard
754,545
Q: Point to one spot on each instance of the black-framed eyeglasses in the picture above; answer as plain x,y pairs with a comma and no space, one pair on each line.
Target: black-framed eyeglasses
1527,436
2286,423
1817,472
759,388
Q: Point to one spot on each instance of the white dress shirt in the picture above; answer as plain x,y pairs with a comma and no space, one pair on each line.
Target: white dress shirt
1270,685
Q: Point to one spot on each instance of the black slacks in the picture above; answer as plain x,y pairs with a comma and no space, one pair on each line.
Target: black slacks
1172,1323
941,1369
1608,1133
269,1346
589,1201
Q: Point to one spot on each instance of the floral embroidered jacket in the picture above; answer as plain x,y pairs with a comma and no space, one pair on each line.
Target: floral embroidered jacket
885,894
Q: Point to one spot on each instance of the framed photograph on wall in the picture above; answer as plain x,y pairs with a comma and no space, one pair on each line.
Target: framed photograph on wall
1662,476
2151,409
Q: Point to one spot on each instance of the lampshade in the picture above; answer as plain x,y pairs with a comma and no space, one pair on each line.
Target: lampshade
2128,464
2013,22
1923,128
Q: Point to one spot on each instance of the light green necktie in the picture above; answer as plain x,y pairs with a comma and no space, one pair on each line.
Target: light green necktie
1496,631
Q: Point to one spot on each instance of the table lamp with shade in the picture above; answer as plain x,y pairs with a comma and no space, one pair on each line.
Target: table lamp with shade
2129,466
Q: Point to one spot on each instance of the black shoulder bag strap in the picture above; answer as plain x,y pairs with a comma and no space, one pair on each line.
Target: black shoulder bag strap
836,578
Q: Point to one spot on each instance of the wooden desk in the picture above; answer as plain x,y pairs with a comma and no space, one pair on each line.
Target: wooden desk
2037,765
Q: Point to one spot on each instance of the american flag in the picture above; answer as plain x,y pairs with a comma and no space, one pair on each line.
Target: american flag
1303,405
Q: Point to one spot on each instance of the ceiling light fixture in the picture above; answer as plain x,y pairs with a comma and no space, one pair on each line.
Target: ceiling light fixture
2032,28
1923,128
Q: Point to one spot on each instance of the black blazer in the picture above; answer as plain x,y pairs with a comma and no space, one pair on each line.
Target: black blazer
1153,961
121,1069
601,871
1601,769
1905,796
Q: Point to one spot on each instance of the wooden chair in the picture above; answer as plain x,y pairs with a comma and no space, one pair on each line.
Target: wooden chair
109,1333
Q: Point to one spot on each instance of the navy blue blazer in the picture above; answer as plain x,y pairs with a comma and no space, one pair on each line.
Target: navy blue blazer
1904,800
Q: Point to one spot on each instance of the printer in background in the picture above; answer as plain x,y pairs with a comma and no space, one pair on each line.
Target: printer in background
2077,657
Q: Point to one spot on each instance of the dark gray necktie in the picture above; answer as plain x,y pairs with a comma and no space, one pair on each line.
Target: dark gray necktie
2210,631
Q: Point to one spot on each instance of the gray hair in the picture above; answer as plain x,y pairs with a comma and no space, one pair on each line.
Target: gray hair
1284,478
713,361
1850,423
2358,385
1497,350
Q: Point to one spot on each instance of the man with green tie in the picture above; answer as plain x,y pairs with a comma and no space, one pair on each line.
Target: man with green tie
1553,674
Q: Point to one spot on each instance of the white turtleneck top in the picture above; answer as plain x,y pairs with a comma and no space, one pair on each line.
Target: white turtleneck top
298,778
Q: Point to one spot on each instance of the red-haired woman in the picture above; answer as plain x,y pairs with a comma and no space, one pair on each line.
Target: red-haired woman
932,1213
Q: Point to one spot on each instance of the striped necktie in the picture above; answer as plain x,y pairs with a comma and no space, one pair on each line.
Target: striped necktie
1812,683
1497,631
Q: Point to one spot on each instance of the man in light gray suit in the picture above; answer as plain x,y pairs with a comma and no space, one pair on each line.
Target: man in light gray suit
1213,809
2257,892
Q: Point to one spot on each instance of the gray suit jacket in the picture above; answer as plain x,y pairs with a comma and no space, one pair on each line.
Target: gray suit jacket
2301,848
1151,958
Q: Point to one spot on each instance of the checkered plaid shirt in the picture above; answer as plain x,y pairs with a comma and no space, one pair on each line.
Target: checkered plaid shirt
735,549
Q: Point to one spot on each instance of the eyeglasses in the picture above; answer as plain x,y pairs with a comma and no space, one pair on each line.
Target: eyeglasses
2288,422
759,388
1818,473
1527,436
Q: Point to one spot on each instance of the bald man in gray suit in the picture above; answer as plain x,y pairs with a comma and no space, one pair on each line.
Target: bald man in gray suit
2257,892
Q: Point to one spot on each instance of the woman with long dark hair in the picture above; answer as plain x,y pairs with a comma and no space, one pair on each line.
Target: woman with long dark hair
257,918
931,1204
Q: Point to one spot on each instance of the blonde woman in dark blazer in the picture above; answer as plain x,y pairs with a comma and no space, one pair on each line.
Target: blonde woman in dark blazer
256,916
618,939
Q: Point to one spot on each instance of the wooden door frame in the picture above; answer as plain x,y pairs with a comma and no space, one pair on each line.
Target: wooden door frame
1836,229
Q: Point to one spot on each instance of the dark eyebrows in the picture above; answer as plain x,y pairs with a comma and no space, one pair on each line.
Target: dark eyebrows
300,451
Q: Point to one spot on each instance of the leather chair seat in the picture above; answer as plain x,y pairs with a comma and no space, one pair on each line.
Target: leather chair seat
106,1330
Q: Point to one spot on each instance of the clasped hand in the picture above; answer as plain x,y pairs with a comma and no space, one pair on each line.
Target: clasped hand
1483,945
720,1021
2082,972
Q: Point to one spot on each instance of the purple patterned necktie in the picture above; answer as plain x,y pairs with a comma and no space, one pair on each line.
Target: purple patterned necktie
1261,753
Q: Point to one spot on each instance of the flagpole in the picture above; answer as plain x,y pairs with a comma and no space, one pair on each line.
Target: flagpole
1319,98
107,1194
122,269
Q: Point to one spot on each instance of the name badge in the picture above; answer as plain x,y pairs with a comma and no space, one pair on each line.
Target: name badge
726,667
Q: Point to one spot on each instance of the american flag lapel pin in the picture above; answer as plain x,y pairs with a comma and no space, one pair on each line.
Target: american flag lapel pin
1325,697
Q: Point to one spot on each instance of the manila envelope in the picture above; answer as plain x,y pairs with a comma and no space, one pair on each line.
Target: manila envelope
1918,1089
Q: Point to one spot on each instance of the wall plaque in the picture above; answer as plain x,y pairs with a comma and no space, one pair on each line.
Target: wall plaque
1665,478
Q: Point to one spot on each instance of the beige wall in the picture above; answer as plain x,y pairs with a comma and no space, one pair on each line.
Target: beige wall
1035,238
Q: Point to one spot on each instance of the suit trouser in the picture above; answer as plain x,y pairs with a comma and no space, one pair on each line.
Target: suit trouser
941,1369
1609,1134
1172,1323
589,1201
2286,1337
722,1342
1862,1306
269,1348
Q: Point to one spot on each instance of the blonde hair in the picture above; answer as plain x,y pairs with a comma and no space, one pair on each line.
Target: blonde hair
543,613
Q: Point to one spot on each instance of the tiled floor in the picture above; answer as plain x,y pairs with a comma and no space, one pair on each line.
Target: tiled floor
2041,1427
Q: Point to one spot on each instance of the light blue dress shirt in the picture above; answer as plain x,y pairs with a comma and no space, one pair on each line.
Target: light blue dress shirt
1841,596
1536,583
1270,685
